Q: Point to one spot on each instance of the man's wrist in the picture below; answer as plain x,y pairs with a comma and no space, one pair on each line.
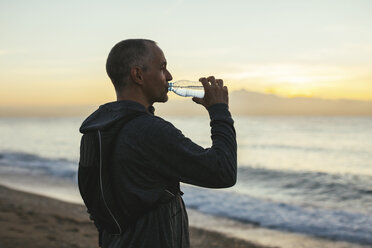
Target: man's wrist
219,111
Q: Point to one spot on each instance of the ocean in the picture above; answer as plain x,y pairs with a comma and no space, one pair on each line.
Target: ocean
310,176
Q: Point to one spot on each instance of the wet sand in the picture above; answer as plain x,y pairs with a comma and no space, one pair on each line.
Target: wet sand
30,220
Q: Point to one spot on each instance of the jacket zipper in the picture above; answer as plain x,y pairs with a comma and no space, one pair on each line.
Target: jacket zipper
101,185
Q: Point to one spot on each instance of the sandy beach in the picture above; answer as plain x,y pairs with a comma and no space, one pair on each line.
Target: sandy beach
30,220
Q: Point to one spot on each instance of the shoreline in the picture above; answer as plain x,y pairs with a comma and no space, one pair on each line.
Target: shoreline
31,220
35,185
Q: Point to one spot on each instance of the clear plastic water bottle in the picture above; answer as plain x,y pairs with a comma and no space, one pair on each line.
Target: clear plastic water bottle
187,88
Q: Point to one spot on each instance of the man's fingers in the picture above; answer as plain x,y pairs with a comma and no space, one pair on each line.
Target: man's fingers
202,79
214,92
198,100
204,82
212,80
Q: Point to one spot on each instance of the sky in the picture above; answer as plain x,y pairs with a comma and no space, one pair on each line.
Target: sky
54,52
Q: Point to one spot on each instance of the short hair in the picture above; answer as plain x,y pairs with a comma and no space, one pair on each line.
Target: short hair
123,56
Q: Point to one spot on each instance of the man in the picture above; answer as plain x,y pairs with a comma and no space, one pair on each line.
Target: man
132,162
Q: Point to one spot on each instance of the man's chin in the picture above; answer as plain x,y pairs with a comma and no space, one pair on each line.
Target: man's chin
164,99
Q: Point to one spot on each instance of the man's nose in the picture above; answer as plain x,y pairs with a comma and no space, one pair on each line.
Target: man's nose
169,76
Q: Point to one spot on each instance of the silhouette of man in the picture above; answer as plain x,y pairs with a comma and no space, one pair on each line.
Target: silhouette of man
132,161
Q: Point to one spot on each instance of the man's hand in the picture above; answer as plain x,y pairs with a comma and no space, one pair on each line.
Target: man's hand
215,92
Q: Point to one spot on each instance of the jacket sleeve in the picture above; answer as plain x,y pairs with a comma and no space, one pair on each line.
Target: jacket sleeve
176,157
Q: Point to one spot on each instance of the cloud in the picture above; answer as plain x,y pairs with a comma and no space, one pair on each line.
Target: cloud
295,73
347,53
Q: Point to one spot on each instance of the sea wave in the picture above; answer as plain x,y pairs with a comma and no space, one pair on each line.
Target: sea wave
334,206
326,223
60,167
345,191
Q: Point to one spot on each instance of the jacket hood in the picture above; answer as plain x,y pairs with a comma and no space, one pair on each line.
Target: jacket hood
109,113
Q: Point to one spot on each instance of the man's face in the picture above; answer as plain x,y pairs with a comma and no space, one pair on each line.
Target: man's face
156,77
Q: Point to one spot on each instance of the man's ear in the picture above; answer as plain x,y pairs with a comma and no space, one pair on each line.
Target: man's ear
136,74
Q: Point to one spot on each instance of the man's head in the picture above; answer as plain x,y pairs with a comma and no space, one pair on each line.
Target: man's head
139,64
123,56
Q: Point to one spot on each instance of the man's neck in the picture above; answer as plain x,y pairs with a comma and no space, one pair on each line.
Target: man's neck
133,97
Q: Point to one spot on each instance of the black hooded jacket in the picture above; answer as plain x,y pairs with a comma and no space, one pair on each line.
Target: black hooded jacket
142,159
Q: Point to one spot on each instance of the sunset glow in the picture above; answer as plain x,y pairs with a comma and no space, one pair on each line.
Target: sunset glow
53,53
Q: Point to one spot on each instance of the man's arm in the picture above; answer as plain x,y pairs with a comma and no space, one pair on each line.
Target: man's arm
178,158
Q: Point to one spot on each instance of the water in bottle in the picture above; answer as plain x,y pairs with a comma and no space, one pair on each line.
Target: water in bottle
187,88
